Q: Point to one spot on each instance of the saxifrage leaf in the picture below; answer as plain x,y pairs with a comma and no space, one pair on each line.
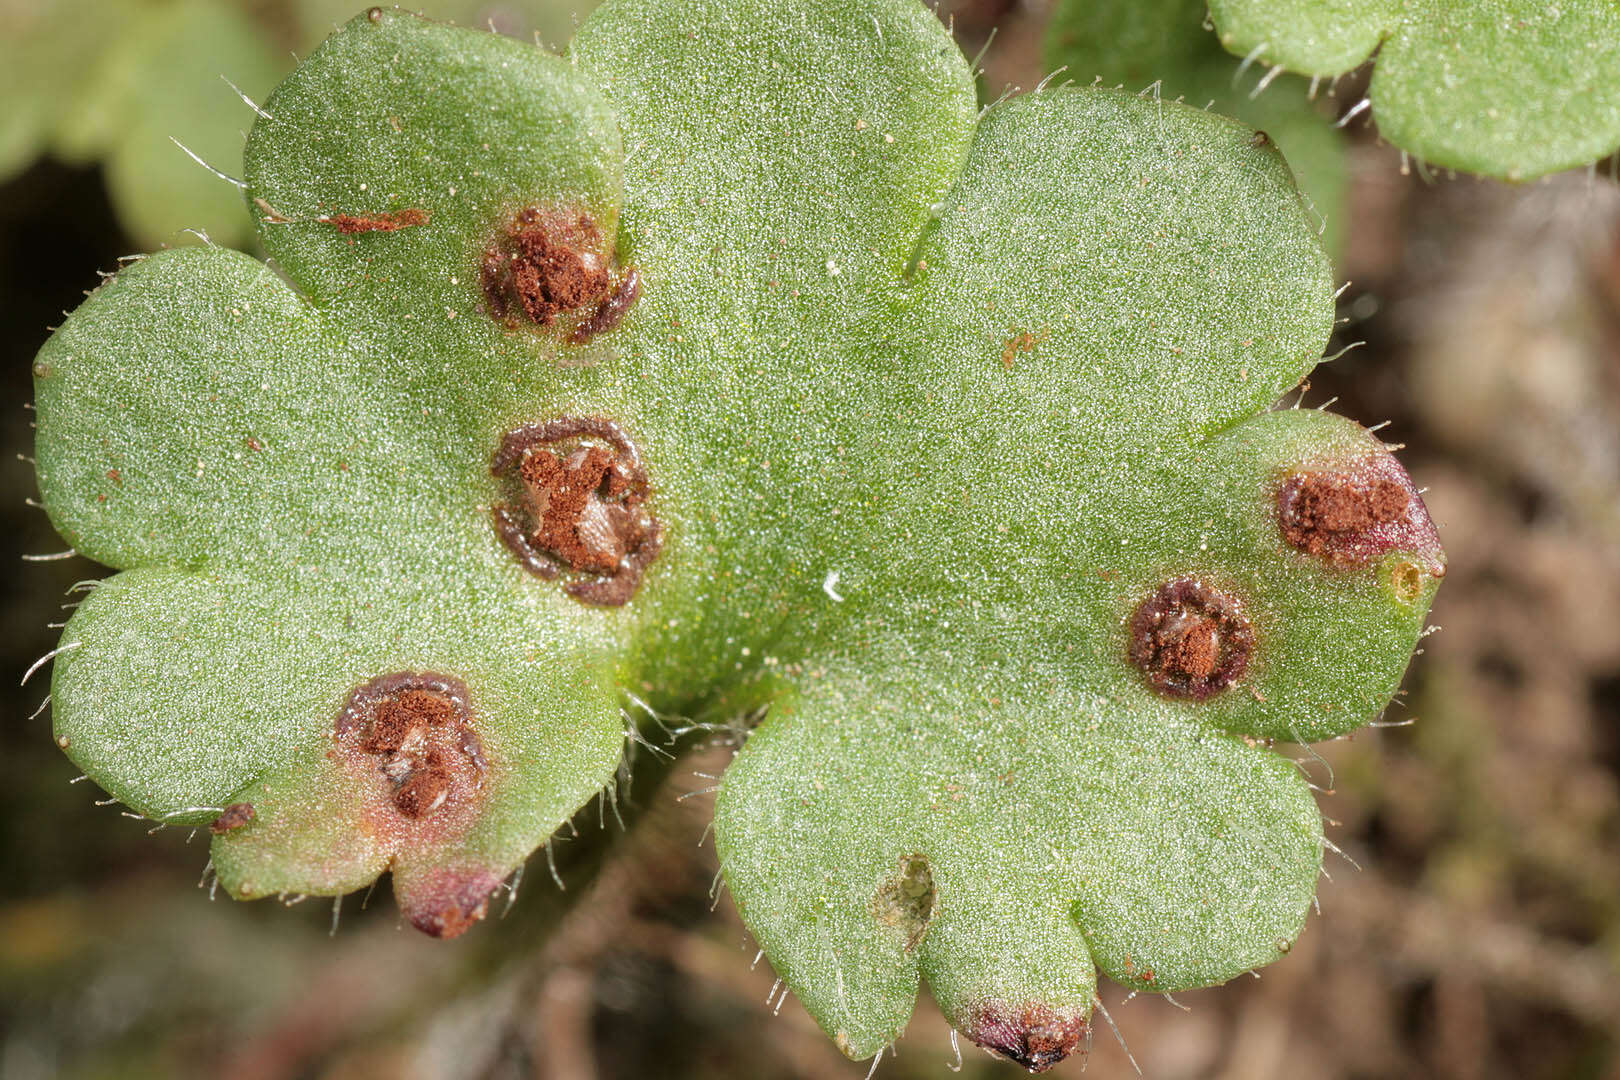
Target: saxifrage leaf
739,365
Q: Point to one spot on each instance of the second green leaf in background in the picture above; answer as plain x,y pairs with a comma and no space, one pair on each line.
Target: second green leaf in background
1135,43
119,82
1513,89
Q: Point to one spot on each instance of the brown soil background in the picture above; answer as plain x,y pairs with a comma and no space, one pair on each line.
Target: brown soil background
1480,938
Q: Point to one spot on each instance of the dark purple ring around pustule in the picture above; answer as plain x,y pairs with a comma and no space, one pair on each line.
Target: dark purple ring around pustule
617,588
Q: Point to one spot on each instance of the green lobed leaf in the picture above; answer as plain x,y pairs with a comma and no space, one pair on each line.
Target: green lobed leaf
780,165
931,403
1507,88
299,511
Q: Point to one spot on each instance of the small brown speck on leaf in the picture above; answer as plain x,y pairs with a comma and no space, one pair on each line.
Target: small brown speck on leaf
350,224
1018,343
234,816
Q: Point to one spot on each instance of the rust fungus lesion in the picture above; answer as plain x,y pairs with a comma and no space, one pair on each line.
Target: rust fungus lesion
1324,513
1190,639
393,221
1354,513
1021,342
582,507
553,269
1034,1035
612,311
417,730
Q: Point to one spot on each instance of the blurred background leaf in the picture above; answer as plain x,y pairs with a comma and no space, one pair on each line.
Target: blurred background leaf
118,82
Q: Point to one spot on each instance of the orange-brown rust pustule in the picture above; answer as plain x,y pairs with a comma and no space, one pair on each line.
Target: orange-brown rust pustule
350,224
551,265
412,767
418,728
583,508
1353,513
1033,1035
1191,639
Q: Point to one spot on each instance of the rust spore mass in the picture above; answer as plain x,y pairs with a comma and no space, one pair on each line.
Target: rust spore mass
1352,512
1035,1036
1195,651
584,491
1317,509
425,787
419,728
1190,639
397,719
569,499
233,816
557,266
350,224
550,264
